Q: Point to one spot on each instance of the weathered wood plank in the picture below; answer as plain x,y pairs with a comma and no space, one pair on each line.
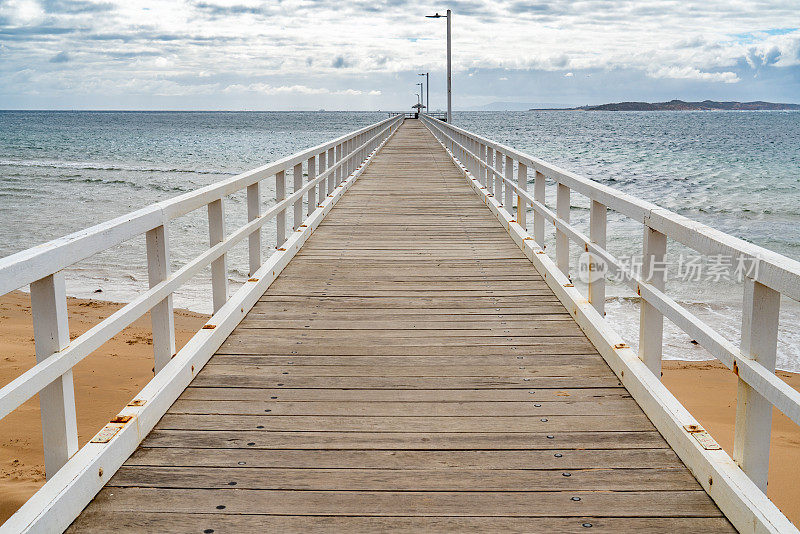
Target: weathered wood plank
93,522
408,503
445,460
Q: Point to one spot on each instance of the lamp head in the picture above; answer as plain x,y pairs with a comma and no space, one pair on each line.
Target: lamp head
436,16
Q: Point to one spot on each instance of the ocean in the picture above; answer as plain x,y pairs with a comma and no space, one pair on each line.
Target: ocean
736,171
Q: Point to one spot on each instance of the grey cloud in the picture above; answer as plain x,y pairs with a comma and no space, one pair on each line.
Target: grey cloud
75,7
221,10
339,62
529,7
61,57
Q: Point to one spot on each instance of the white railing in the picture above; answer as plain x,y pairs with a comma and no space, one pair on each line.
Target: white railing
328,167
500,173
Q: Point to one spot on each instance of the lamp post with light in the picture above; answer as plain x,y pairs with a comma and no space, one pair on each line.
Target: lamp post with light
449,62
427,90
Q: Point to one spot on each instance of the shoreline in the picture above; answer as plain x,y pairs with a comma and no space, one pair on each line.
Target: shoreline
106,380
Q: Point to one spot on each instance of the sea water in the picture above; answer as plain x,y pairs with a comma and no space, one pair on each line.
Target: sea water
736,171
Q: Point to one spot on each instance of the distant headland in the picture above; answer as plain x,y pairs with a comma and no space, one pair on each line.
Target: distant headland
680,105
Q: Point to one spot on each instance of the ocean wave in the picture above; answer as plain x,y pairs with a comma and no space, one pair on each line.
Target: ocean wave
97,166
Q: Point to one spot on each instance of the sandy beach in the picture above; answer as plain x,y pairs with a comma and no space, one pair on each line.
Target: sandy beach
104,382
108,379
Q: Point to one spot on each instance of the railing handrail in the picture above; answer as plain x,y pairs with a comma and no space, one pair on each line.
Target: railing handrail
775,270
26,266
490,168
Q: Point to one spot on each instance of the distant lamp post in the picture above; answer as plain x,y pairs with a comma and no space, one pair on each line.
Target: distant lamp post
449,62
427,90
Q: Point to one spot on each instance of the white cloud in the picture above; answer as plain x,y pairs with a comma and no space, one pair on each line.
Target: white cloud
268,89
568,75
691,73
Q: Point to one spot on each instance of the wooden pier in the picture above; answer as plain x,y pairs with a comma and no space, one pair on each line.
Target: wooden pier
409,369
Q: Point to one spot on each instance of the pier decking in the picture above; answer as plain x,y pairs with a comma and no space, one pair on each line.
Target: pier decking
408,369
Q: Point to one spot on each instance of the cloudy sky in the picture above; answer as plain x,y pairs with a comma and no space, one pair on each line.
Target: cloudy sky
365,54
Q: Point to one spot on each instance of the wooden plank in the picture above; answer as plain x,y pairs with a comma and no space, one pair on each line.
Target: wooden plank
422,382
589,395
400,440
408,503
451,409
406,479
228,368
444,460
414,422
534,361
96,522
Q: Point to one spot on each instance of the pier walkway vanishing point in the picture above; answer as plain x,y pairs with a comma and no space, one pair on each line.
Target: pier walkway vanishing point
410,369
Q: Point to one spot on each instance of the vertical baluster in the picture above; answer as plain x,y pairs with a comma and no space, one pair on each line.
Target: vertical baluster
253,213
219,269
498,181
481,168
651,322
297,178
161,315
332,175
56,400
323,184
522,204
597,234
562,241
538,218
312,193
751,441
339,169
490,170
509,197
280,218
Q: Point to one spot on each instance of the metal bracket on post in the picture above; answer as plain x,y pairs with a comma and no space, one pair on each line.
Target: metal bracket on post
56,400
162,317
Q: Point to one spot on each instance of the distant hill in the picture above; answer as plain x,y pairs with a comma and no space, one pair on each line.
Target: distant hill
680,105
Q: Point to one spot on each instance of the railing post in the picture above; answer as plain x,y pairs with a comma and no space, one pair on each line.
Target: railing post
562,240
312,193
597,234
339,169
509,197
481,163
651,322
297,216
498,182
162,318
522,205
57,399
280,218
219,268
332,176
538,218
253,213
490,170
751,439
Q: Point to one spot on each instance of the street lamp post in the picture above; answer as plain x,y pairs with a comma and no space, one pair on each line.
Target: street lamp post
449,63
427,89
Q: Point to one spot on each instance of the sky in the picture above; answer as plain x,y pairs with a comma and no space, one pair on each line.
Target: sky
366,54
